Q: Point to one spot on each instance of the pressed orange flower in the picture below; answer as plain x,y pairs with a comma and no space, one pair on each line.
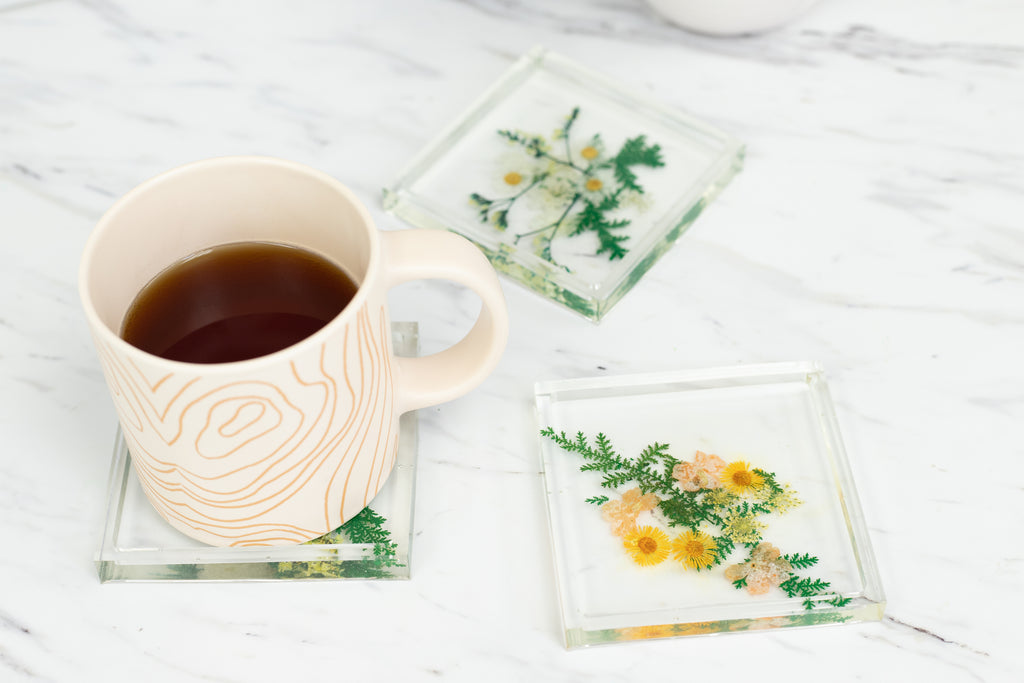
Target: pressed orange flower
647,545
739,478
513,178
589,152
765,569
638,502
622,514
704,472
696,550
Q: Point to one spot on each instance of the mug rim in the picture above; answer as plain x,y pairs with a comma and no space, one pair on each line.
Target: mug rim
357,302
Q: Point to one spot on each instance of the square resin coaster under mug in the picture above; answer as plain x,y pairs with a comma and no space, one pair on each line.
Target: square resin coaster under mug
571,185
702,502
139,545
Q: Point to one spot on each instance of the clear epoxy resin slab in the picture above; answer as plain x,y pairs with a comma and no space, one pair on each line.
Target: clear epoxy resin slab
571,185
702,502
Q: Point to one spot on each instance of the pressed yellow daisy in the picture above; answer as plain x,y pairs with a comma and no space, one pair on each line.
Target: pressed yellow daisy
594,185
647,546
696,550
513,178
739,478
589,152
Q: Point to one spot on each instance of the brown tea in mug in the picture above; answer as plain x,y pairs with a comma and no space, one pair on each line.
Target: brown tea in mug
235,302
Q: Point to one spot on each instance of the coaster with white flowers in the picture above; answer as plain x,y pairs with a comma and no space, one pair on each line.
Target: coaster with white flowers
702,502
570,184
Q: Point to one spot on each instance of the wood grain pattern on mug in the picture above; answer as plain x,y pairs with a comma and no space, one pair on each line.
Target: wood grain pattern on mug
253,449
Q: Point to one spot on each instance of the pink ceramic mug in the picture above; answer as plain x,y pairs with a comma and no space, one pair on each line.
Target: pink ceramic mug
285,447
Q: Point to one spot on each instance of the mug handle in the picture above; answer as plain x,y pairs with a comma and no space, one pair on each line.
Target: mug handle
420,254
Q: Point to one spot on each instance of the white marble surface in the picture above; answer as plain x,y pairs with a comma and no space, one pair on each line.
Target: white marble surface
876,228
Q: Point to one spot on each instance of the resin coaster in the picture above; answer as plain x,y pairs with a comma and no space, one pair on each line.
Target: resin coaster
702,502
138,545
571,185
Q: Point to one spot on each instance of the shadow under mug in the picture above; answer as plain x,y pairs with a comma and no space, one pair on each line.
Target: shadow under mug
282,448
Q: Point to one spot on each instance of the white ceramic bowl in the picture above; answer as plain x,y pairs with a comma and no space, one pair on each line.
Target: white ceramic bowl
730,17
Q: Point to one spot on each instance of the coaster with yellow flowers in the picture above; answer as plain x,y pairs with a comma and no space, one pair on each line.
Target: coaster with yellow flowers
702,502
571,185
